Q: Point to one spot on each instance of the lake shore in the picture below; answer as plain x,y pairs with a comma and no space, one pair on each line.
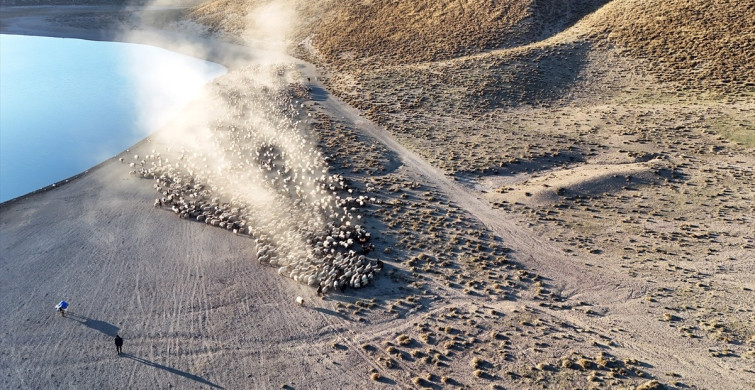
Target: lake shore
110,23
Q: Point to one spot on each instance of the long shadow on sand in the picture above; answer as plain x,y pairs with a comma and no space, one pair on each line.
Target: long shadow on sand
172,370
318,93
331,313
101,326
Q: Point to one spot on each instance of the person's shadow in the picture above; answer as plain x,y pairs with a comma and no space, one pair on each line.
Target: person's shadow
101,326
172,370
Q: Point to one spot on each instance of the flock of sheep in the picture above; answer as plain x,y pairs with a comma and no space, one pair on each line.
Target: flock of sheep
245,165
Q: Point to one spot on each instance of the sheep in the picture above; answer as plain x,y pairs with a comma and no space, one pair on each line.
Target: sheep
300,301
298,181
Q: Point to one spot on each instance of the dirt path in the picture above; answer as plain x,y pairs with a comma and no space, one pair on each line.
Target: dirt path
540,256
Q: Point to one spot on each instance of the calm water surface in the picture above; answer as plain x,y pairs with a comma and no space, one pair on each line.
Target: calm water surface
68,104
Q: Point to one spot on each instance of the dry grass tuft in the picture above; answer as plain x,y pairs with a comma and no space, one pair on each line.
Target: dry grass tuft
403,340
421,382
651,385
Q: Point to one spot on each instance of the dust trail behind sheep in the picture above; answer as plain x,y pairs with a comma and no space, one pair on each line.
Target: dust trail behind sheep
241,160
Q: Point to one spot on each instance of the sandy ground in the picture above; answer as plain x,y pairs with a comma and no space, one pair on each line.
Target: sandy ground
488,302
194,309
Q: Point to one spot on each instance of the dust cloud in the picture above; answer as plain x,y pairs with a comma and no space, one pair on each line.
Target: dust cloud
240,157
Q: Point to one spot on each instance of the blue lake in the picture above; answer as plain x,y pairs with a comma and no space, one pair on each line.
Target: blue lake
68,104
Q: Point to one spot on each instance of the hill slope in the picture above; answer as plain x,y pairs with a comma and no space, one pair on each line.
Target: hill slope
390,32
698,42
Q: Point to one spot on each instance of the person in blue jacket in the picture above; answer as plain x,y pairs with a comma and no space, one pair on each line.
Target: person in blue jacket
61,307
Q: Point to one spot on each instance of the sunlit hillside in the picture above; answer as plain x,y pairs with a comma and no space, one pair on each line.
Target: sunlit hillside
695,41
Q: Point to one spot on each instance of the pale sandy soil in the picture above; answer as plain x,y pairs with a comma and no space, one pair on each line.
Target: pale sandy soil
478,292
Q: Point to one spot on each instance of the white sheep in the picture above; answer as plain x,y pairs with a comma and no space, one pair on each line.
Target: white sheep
300,301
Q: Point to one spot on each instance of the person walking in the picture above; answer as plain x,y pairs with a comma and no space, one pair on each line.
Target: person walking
62,307
118,344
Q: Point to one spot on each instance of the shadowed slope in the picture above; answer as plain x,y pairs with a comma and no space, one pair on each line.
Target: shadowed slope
391,32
